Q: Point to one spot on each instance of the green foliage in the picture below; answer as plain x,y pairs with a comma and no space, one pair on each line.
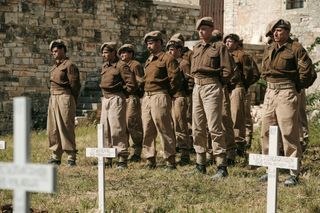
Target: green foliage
313,99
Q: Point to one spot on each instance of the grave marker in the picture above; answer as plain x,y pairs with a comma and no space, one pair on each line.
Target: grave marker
2,145
22,176
273,162
101,153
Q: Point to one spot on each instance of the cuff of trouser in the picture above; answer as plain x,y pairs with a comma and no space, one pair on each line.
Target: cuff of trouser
209,156
221,160
201,158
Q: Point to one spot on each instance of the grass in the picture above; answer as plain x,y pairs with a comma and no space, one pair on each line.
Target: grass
140,190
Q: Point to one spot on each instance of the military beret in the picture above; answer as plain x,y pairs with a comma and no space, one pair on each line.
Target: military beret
217,33
269,28
111,46
204,21
281,23
58,43
178,36
153,36
126,47
177,43
233,37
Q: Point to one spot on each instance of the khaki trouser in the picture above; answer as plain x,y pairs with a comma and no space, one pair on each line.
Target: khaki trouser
156,118
206,112
134,123
249,122
281,108
179,115
237,99
60,125
227,126
189,119
113,117
303,120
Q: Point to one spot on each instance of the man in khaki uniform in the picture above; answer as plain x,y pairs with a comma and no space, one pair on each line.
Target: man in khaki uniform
162,79
180,101
227,123
116,81
133,115
64,89
187,55
237,89
211,67
287,69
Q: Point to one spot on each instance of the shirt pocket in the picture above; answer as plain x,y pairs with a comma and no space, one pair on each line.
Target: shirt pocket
212,59
286,61
161,71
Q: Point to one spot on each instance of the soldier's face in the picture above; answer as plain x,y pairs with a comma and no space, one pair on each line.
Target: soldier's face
126,56
205,32
107,55
57,53
231,44
280,35
154,46
175,52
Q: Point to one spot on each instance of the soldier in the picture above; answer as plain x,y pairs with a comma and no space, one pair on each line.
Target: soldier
211,67
237,89
116,81
287,69
133,112
186,52
162,79
180,101
64,89
227,123
187,55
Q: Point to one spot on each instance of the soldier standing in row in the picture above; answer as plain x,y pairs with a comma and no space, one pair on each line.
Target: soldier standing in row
287,69
162,79
64,89
211,67
116,81
180,102
133,112
237,89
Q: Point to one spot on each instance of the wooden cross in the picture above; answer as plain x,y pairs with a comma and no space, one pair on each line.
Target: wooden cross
22,176
2,145
273,162
101,153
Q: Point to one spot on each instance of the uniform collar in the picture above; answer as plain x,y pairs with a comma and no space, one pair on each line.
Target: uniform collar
62,61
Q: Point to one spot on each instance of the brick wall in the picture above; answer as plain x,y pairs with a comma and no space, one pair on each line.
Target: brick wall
27,27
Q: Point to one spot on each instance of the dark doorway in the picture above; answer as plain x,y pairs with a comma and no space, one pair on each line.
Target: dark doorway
213,8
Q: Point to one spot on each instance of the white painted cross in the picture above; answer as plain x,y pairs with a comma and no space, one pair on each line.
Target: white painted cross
2,145
273,162
22,176
101,153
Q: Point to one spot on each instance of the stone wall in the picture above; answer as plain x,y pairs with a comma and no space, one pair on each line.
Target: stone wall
27,27
249,19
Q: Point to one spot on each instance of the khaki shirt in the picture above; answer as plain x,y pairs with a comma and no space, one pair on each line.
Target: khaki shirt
65,78
187,54
244,64
211,60
161,73
289,62
117,77
137,69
